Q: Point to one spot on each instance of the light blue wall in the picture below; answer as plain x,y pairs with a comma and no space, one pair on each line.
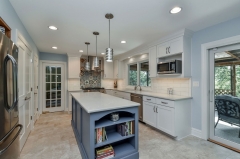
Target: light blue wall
220,31
53,57
9,15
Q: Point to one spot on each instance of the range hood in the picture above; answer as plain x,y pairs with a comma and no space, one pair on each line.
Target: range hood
91,61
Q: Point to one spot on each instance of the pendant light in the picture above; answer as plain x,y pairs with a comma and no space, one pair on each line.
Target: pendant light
87,64
109,51
96,62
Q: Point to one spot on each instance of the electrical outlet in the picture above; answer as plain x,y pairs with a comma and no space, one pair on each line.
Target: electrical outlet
195,83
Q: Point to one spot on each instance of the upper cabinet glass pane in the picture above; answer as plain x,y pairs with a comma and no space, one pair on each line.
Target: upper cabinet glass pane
53,70
48,69
144,74
58,70
132,75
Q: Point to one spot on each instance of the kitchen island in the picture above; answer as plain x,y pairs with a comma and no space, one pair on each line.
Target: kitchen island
91,111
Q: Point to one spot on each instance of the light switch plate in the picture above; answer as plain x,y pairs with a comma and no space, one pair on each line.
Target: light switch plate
195,83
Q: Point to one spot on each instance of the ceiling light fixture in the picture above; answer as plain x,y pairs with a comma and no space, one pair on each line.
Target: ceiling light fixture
54,47
109,51
52,27
96,62
123,42
87,64
175,10
81,50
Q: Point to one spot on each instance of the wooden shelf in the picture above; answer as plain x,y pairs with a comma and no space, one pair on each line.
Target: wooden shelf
7,28
113,137
122,149
105,122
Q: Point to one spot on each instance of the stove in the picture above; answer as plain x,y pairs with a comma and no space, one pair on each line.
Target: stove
93,89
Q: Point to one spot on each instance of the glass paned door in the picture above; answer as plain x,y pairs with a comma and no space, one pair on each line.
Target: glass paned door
53,83
224,95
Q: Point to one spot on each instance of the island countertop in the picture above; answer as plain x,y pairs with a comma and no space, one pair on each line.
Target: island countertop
93,102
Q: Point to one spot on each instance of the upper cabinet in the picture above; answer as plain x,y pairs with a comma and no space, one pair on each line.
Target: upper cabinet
153,61
73,67
108,70
117,71
171,47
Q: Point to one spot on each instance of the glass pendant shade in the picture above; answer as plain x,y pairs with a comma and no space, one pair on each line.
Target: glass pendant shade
87,66
96,62
109,54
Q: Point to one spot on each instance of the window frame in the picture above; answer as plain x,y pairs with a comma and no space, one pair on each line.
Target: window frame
138,71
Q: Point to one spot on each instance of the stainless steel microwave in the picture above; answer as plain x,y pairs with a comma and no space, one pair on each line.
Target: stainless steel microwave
170,67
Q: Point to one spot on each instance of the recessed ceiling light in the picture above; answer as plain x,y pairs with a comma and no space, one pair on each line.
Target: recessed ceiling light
54,47
53,27
80,50
129,57
103,53
175,10
123,42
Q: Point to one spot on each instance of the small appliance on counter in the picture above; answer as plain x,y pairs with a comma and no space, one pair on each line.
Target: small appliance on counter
115,84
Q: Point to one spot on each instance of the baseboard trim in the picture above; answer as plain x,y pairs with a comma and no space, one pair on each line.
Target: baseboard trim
197,132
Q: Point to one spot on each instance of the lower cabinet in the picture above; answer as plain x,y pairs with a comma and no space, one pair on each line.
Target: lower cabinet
149,115
165,119
171,117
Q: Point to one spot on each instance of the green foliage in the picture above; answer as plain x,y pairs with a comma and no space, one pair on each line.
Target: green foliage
223,77
144,79
132,78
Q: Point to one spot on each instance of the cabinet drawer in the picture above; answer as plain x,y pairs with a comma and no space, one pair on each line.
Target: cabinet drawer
165,102
149,99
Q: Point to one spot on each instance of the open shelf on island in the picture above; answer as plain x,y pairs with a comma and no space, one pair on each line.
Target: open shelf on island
113,137
107,122
122,149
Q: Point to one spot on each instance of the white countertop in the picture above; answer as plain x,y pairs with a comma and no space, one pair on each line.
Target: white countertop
75,90
155,94
95,101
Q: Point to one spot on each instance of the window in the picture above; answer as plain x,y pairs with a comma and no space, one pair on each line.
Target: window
139,74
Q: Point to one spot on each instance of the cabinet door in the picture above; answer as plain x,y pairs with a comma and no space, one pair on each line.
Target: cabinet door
73,67
108,70
165,119
153,61
175,46
149,114
162,49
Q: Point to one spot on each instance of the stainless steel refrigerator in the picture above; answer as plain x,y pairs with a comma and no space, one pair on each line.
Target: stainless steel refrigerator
9,115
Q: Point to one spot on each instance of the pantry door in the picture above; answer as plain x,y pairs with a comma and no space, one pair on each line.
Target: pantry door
53,87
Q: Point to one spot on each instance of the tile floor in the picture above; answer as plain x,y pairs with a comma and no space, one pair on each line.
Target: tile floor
53,138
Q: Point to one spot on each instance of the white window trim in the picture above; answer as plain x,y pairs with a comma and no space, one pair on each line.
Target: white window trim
138,75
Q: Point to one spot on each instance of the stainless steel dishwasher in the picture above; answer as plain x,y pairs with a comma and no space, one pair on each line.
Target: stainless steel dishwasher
138,99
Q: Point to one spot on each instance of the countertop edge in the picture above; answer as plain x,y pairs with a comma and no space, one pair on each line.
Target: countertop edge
183,97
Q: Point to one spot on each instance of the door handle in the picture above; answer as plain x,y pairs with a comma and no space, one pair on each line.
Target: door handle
8,134
164,103
27,98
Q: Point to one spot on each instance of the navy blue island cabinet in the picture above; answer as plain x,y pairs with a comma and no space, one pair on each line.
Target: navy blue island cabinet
91,111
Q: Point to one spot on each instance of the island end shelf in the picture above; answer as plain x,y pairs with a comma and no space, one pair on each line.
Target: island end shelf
85,121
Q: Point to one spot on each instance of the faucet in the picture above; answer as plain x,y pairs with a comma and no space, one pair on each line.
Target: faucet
135,88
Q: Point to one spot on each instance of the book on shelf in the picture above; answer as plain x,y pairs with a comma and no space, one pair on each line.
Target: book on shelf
126,128
100,135
105,152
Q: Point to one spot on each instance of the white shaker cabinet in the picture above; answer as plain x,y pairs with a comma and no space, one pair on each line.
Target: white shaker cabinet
117,72
149,115
153,61
73,67
171,47
108,70
165,119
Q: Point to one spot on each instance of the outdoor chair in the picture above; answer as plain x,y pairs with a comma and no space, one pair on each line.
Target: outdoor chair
228,108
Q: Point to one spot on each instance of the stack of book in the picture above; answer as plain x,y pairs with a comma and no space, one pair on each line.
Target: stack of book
100,135
106,152
126,129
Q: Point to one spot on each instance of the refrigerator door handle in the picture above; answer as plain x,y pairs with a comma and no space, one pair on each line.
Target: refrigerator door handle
10,143
14,83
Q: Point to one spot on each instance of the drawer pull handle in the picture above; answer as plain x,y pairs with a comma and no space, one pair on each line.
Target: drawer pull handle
154,109
164,103
148,99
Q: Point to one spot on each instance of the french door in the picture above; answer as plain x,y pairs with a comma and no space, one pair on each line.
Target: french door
24,84
53,87
224,96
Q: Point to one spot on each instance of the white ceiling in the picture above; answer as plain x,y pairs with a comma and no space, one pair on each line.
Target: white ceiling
136,21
